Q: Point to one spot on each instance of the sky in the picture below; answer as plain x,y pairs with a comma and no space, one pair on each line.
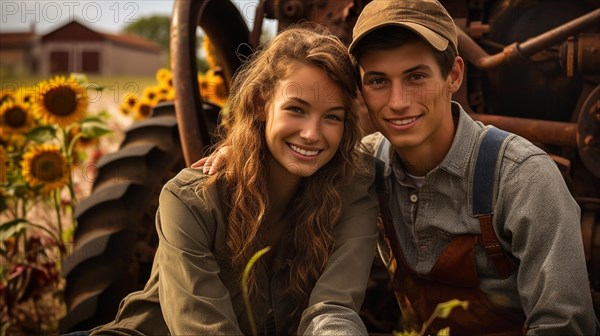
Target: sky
103,15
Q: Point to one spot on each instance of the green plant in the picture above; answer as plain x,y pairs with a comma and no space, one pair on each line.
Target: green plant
442,310
245,287
46,131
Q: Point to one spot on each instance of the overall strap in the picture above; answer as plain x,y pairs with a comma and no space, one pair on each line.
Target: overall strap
485,176
383,195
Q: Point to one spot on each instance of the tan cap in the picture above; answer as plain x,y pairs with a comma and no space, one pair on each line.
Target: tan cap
427,18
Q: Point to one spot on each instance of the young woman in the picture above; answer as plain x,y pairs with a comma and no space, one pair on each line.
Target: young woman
293,181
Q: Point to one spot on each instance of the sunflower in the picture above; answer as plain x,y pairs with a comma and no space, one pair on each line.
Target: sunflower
129,103
164,77
165,92
5,96
46,166
151,94
143,109
212,88
62,101
25,95
15,118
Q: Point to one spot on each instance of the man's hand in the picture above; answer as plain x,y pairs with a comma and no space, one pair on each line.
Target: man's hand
213,162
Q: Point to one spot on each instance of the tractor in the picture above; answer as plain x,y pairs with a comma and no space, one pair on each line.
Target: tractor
533,68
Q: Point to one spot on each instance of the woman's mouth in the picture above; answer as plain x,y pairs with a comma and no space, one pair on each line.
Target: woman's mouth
304,152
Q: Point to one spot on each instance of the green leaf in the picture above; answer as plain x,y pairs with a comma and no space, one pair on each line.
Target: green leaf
41,134
245,291
92,119
12,228
45,229
104,115
79,77
444,332
94,130
95,87
444,309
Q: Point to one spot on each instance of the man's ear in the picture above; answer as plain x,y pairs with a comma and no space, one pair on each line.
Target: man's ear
456,74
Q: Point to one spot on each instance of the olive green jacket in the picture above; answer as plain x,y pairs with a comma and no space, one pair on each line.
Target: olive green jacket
192,289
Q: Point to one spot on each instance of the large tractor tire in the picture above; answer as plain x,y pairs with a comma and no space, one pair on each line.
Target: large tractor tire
115,239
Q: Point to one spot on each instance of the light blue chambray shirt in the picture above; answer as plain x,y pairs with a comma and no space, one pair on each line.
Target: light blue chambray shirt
535,218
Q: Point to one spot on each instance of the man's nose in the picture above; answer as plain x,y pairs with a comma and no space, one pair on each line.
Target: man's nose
400,96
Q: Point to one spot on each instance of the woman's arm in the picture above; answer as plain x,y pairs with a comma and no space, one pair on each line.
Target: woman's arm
339,293
193,299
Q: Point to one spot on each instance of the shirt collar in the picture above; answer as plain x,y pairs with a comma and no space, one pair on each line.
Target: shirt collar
456,161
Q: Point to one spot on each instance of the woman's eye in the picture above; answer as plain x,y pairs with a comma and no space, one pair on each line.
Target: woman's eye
333,117
295,109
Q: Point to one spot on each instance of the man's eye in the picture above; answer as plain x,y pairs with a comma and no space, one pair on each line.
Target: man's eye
376,81
416,76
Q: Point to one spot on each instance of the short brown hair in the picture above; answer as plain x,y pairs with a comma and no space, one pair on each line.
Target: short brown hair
392,37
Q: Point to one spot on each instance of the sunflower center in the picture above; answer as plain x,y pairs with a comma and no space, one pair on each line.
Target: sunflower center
47,167
131,102
60,101
15,117
145,110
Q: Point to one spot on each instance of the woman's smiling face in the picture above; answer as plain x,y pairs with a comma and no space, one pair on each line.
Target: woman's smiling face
304,121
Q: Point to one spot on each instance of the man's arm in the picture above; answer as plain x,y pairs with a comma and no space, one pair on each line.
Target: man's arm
543,221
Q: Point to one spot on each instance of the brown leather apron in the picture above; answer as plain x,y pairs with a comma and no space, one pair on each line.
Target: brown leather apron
453,276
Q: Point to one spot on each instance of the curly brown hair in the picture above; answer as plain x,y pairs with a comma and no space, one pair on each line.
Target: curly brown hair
317,203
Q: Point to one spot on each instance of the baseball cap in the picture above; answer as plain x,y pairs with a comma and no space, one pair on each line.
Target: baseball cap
428,18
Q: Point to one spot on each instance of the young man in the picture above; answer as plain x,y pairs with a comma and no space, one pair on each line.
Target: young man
472,213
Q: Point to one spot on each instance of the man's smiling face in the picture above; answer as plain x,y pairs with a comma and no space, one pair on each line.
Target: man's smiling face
407,97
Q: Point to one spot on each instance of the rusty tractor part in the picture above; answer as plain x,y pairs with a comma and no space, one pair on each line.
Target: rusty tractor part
588,136
478,57
229,39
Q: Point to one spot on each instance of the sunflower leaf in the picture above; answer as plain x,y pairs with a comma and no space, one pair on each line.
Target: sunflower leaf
92,130
91,119
12,228
95,87
41,134
80,78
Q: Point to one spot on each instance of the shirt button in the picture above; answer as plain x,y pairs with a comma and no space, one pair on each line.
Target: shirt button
414,198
